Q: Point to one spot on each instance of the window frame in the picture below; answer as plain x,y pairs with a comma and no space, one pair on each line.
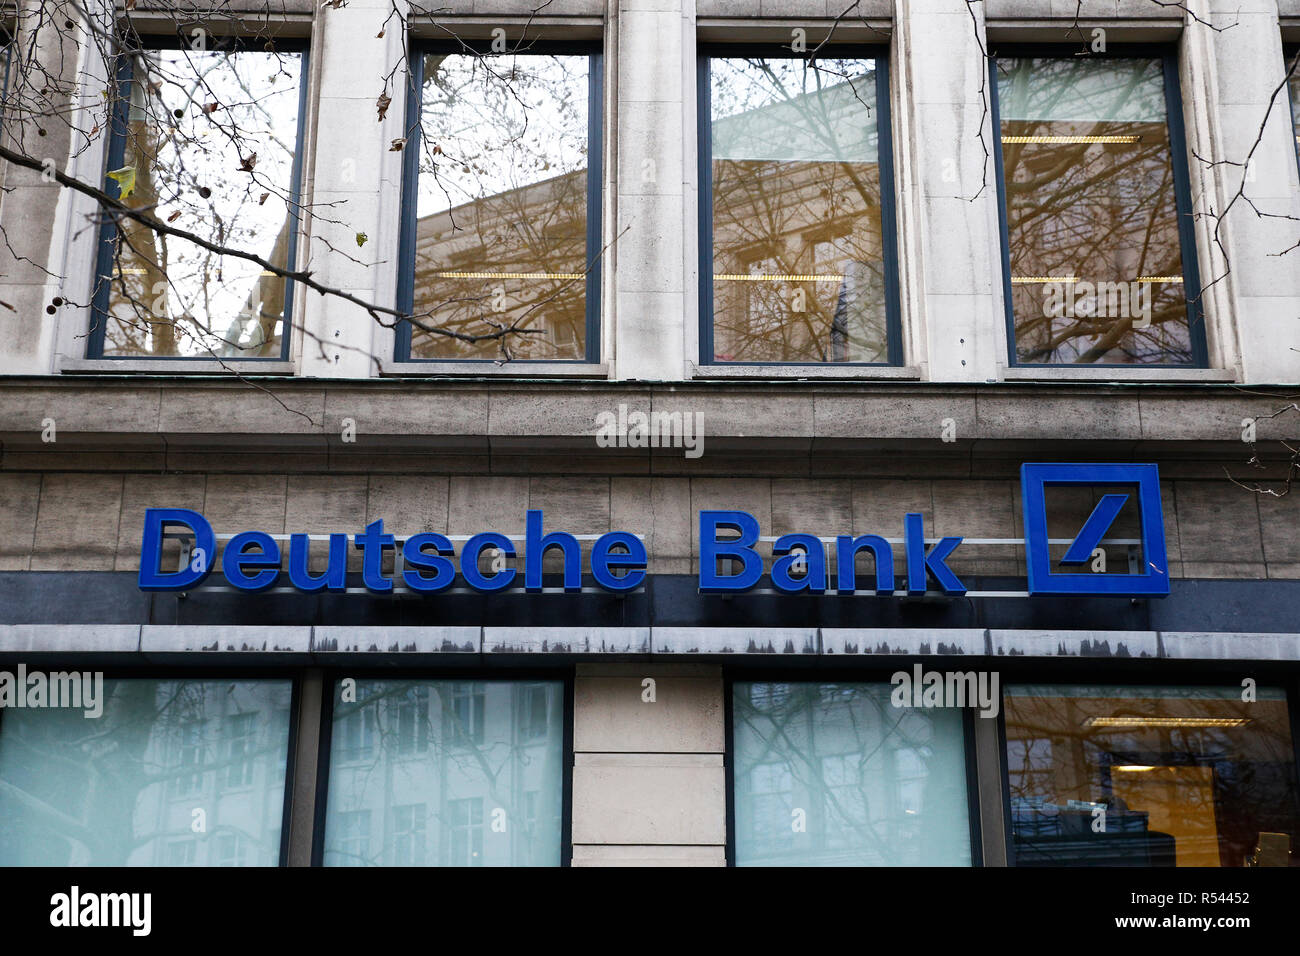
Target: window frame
872,675
115,155
1178,156
705,54
405,302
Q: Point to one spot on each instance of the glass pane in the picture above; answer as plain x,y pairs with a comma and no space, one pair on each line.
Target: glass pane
1149,776
1092,219
835,775
446,773
130,787
210,143
501,240
798,260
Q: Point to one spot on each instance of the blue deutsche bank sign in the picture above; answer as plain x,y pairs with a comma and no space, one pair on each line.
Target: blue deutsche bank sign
729,555
1153,579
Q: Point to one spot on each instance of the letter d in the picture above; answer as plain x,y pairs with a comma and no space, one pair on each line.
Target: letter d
156,521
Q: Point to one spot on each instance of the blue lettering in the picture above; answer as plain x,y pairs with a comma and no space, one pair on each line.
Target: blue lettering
156,521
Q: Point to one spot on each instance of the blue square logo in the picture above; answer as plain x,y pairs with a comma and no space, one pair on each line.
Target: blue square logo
1154,577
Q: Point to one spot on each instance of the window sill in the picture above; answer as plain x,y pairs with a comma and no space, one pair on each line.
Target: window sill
1071,374
488,369
153,366
850,372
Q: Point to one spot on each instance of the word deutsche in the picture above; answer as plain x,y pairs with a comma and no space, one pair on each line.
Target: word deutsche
251,559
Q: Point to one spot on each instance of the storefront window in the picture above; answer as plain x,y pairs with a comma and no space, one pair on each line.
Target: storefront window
800,233
1148,776
503,230
173,773
1101,263
461,773
206,139
835,775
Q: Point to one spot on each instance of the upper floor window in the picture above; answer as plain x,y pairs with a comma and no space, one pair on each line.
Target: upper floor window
206,137
1099,255
797,243
501,227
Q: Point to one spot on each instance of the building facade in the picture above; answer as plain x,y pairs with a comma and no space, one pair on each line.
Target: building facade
818,269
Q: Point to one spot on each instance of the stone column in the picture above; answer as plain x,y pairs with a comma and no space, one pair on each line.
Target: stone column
653,98
948,214
649,787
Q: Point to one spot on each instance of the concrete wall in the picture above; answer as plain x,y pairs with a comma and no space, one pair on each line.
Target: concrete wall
65,521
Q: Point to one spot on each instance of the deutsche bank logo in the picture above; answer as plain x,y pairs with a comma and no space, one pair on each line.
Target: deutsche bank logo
1144,479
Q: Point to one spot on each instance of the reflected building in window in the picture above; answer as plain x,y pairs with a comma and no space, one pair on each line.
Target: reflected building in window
175,773
446,773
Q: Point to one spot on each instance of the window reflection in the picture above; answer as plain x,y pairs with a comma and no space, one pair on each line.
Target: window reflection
122,790
209,146
501,238
1148,776
835,775
798,256
446,773
1097,271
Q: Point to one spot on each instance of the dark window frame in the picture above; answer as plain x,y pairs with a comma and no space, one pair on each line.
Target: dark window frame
116,155
1178,155
888,211
410,191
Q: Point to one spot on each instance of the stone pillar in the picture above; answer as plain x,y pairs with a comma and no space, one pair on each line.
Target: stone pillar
649,787
948,213
651,240
1229,77
356,187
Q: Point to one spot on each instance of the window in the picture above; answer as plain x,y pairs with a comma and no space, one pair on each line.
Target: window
466,845
467,708
352,840
355,729
1098,251
502,207
71,800
440,803
1148,776
189,743
231,849
240,743
836,775
181,853
408,835
209,140
797,241
534,722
